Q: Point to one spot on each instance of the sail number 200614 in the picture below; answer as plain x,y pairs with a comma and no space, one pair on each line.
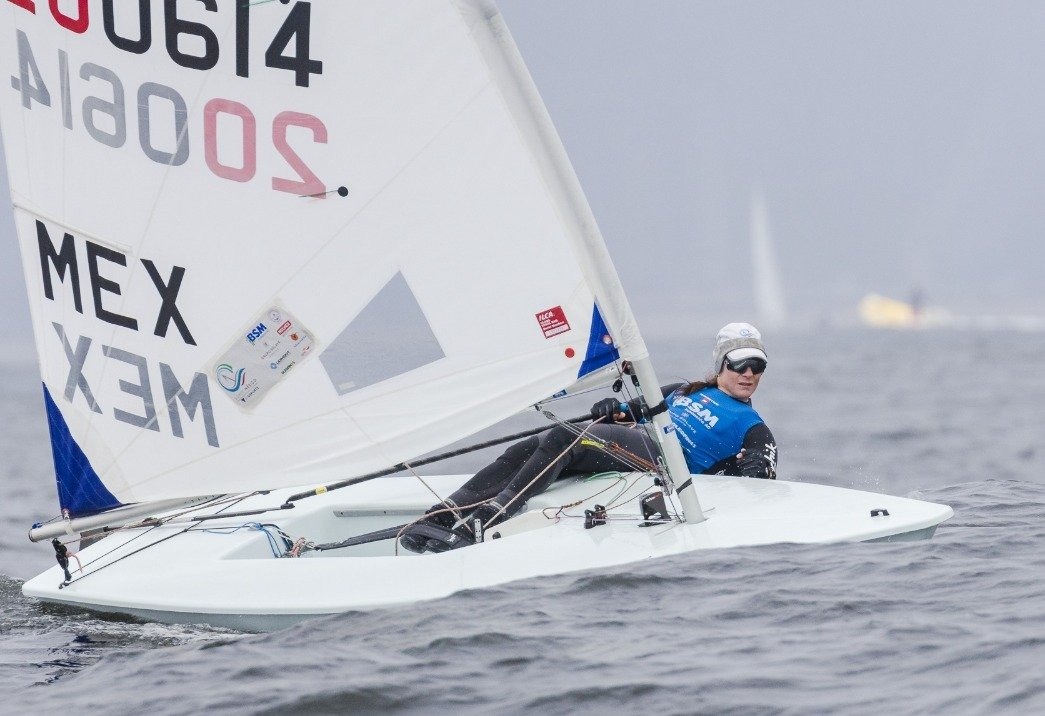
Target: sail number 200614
104,113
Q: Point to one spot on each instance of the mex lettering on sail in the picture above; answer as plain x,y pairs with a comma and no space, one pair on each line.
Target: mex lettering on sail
101,261
135,384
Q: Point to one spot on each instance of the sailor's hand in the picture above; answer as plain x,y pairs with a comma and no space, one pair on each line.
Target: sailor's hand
755,465
610,409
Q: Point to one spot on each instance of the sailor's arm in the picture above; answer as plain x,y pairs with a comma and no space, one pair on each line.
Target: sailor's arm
758,455
611,408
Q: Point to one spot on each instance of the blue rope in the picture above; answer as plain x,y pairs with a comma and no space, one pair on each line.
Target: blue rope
273,543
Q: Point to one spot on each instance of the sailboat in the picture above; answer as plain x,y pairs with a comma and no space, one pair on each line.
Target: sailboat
277,252
770,306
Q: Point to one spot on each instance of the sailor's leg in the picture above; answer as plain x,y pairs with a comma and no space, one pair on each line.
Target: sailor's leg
493,478
483,486
559,450
500,483
634,440
528,468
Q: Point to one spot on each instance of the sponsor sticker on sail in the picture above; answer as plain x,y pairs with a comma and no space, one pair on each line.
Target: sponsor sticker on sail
262,357
553,322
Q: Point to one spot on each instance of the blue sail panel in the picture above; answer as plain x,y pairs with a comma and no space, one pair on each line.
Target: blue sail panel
80,490
601,351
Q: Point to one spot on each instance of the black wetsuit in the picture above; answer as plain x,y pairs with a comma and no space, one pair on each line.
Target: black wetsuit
512,473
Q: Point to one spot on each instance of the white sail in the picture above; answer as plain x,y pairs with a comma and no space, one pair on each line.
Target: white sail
770,306
272,244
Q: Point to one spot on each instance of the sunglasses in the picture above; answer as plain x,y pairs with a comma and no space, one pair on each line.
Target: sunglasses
757,365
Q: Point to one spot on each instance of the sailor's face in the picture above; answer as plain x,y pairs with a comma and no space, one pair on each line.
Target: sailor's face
738,385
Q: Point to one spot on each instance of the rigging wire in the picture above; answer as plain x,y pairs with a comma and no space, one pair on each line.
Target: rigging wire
458,510
538,476
154,524
623,386
415,463
629,459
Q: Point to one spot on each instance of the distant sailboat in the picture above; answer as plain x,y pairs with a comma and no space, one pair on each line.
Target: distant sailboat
881,312
769,293
878,311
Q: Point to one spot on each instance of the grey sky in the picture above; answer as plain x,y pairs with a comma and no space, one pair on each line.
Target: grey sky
898,145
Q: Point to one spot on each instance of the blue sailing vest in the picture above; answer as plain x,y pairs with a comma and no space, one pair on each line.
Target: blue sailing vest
710,425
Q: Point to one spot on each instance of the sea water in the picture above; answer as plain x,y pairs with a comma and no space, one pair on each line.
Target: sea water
953,625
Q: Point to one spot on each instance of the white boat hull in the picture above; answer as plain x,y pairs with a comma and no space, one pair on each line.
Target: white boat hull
233,580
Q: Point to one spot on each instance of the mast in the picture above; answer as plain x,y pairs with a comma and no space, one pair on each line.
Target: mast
674,460
500,51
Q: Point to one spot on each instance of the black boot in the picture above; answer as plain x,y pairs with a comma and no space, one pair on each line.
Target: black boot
457,537
415,540
468,532
486,516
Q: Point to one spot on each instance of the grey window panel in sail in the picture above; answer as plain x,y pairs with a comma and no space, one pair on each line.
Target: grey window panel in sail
389,337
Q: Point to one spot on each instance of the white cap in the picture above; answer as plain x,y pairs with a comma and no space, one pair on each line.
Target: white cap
737,341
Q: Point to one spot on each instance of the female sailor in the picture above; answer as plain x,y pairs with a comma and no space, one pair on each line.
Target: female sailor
719,431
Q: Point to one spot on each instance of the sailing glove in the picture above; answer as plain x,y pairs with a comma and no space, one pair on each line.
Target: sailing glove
608,408
752,463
